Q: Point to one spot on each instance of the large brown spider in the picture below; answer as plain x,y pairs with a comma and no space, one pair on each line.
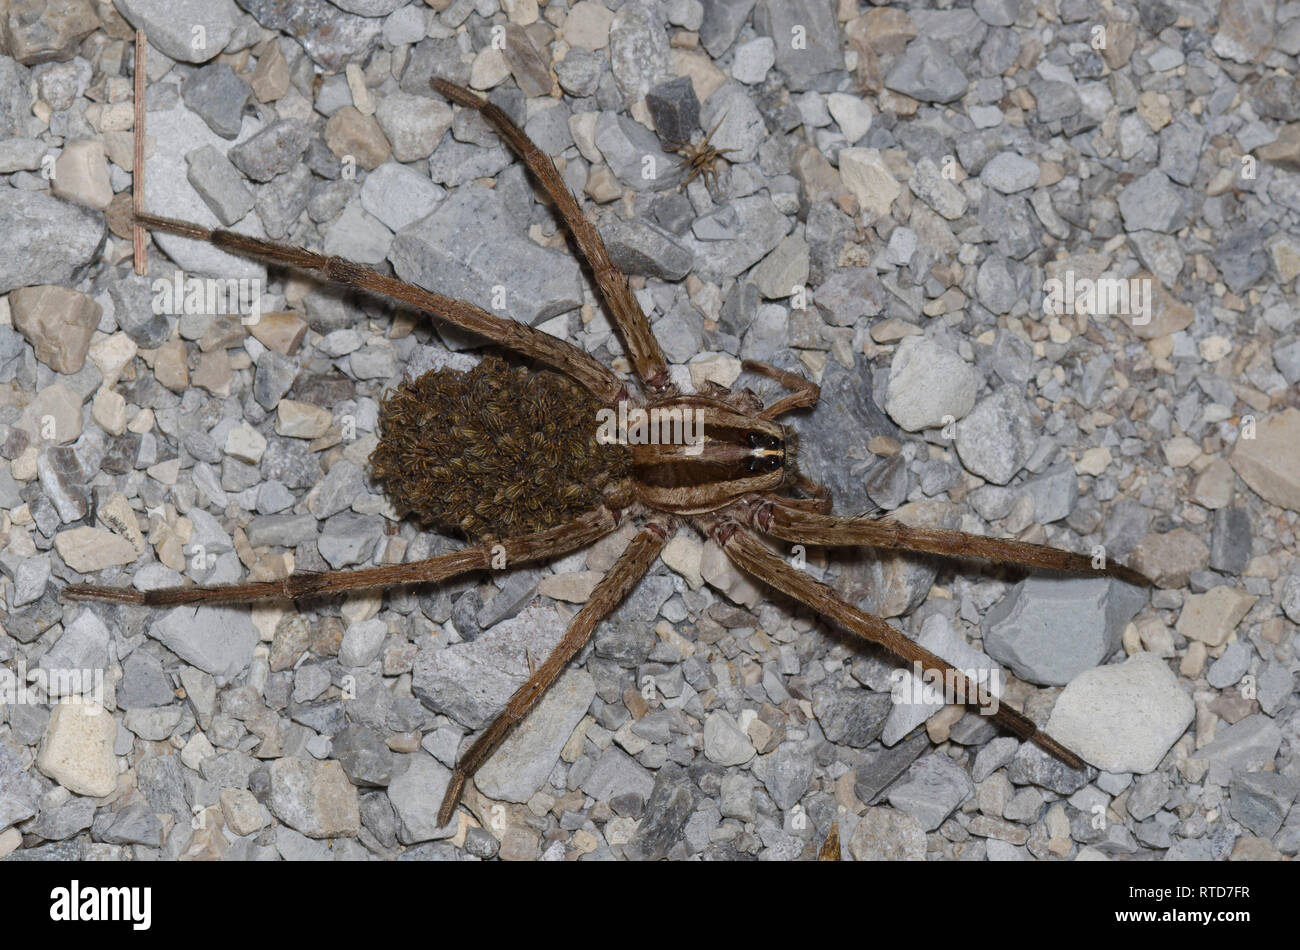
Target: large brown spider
520,462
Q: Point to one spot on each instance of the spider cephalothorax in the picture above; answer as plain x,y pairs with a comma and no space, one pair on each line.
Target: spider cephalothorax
494,451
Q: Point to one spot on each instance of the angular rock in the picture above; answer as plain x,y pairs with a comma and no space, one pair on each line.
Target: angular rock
416,793
77,751
522,763
1122,718
1048,630
1270,462
929,385
314,798
218,640
932,788
491,259
49,241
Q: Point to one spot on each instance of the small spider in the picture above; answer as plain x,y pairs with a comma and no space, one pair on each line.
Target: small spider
702,157
518,461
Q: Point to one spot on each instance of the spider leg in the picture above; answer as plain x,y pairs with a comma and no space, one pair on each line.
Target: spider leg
753,557
478,557
789,523
630,567
830,849
646,355
803,392
511,334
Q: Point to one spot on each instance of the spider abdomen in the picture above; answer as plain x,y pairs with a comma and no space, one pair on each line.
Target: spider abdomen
495,451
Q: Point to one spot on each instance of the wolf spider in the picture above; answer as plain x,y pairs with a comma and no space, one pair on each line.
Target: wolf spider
511,458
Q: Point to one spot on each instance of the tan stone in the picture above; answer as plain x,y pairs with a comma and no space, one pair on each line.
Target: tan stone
1270,462
574,587
1168,559
1285,150
1168,313
58,322
169,365
684,554
81,174
214,372
1213,616
87,549
1213,486
77,751
271,77
42,31
109,411
1121,39
111,355
54,416
865,174
301,420
349,133
280,330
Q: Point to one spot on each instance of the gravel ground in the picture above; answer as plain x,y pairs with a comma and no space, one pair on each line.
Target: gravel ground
932,212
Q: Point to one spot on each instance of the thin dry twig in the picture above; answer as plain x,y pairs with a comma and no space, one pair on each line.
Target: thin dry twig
137,185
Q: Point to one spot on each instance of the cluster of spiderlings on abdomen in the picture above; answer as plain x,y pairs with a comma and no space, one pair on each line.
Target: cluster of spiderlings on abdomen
494,451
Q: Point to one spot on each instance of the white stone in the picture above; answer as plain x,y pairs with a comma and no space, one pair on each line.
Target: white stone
1124,717
720,368
489,69
245,443
724,741
929,385
852,113
721,574
684,554
362,642
196,750
1094,461
752,60
81,174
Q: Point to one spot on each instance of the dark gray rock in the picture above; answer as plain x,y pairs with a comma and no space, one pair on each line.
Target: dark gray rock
1230,540
812,63
669,806
675,110
850,716
364,756
219,98
638,247
1261,800
273,151
628,636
